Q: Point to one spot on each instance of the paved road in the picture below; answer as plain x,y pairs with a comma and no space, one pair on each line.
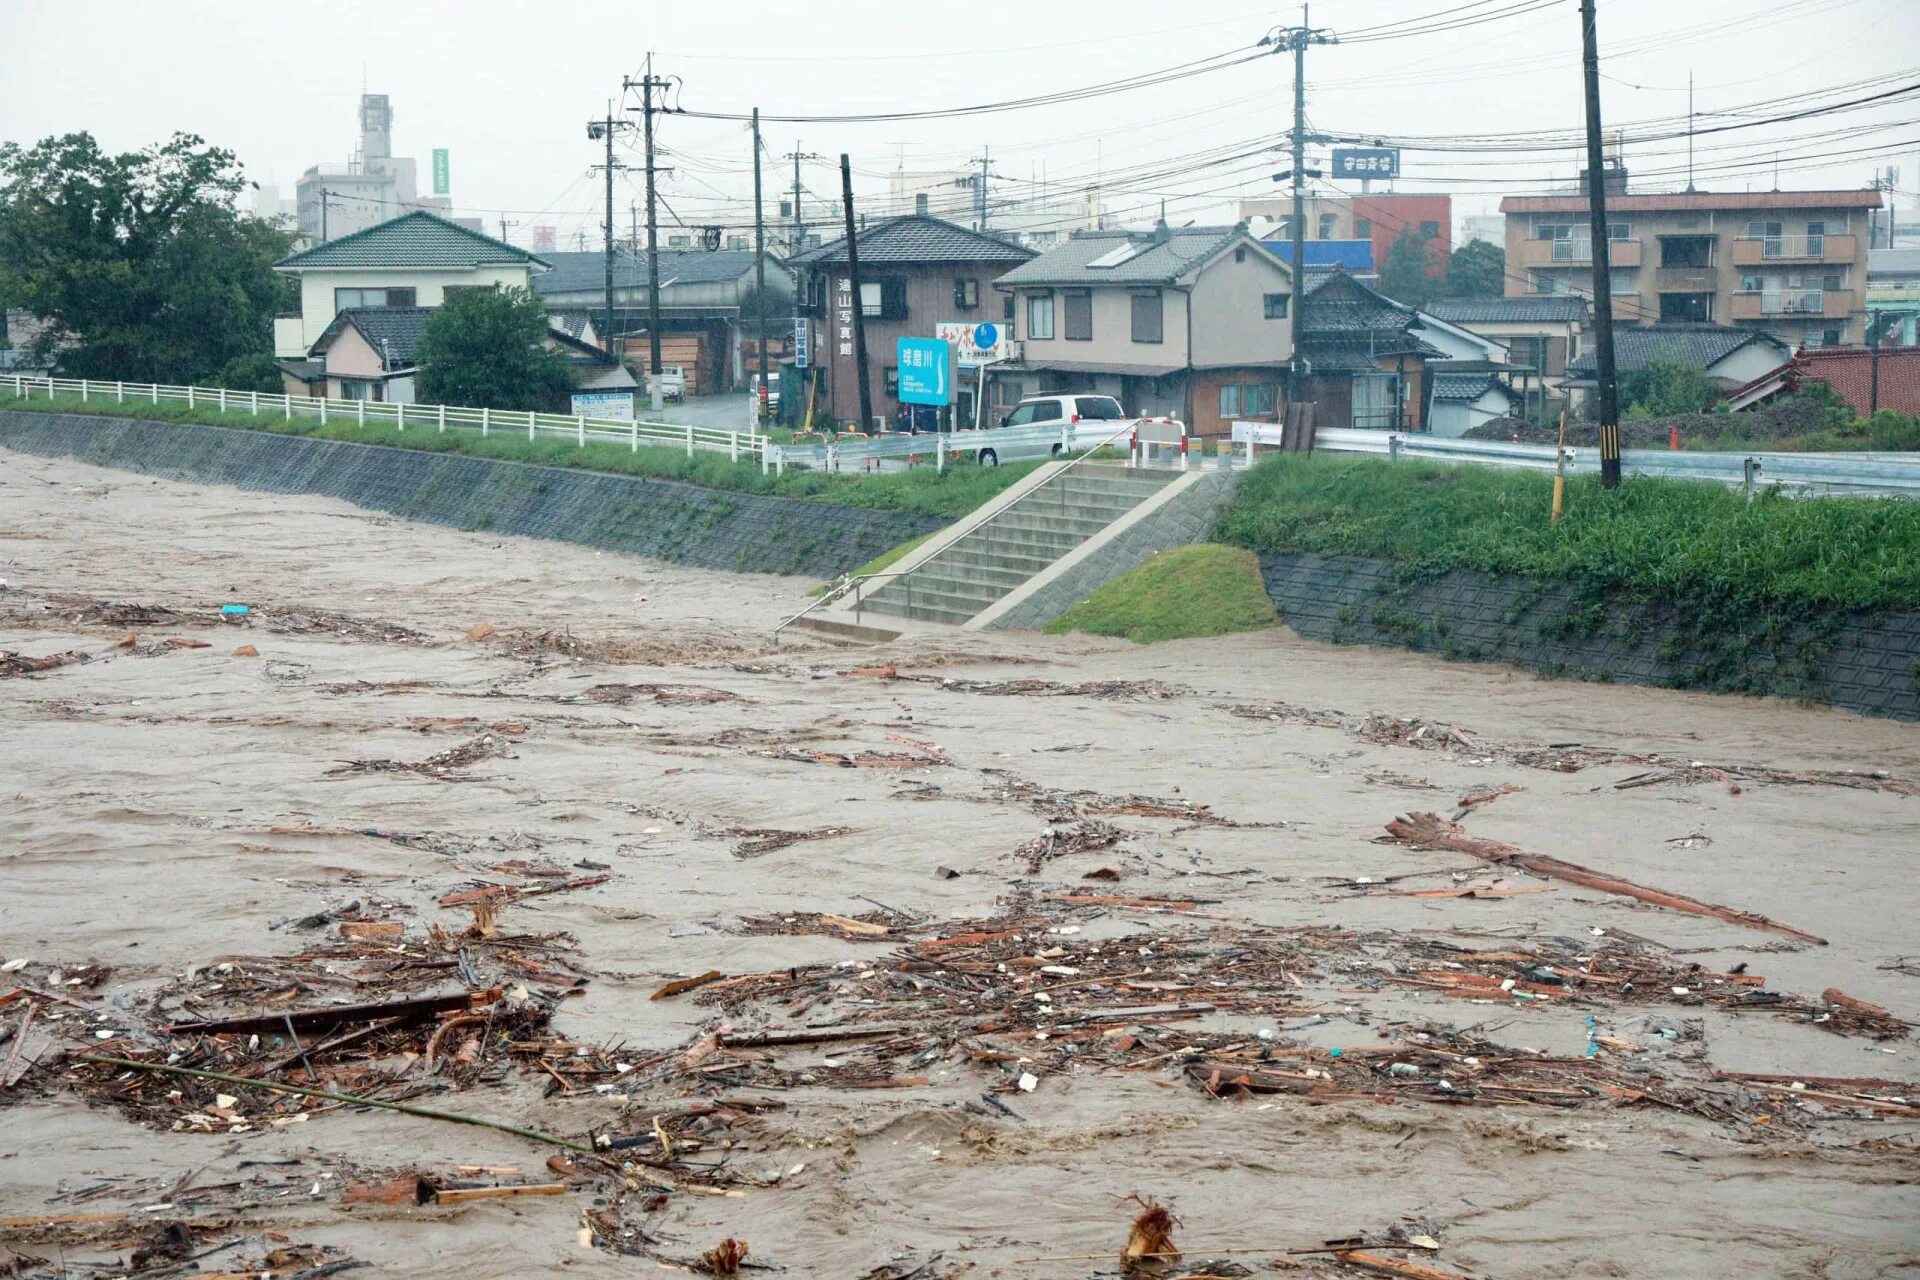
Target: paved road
728,412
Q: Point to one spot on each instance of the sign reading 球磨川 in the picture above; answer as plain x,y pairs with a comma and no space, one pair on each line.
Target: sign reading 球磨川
923,371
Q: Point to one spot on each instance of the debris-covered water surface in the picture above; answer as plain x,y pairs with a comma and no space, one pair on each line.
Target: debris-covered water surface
391,897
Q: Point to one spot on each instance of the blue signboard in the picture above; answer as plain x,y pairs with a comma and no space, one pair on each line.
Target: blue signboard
800,343
1366,162
923,371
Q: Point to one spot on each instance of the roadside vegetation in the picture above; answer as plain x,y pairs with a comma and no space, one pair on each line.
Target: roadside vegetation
921,491
1183,594
1697,546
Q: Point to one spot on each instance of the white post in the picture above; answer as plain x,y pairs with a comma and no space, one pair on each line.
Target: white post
633,434
189,396
443,417
83,391
764,448
256,403
119,393
323,411
689,439
399,415
286,410
733,446
529,424
223,399
360,412
485,414
154,389
580,421
1249,448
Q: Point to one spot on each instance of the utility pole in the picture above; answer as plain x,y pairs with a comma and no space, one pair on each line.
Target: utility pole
1602,268
633,226
648,83
1297,39
759,257
980,193
859,302
325,196
602,131
504,224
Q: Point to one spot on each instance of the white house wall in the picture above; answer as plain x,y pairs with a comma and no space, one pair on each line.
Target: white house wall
428,285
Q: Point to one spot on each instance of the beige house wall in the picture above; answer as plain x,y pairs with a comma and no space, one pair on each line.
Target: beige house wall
1229,312
429,285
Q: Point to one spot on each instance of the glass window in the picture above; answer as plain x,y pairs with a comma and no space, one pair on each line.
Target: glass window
1040,316
1816,228
1020,417
1546,282
1079,320
1619,231
1763,229
1363,228
1230,400
1277,304
1259,397
966,293
344,299
1430,230
1046,411
1147,316
1327,221
870,295
1098,408
1008,391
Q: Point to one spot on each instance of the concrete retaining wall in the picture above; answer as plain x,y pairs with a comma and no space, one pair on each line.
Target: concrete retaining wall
662,519
1865,662
1186,518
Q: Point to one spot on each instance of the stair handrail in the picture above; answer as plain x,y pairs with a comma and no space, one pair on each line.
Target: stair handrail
838,588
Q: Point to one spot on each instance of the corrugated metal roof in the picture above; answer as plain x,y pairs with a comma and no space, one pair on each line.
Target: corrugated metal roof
1159,261
1553,309
587,272
1688,201
1702,344
417,239
917,237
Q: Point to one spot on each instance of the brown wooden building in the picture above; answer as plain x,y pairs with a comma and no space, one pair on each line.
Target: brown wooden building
916,272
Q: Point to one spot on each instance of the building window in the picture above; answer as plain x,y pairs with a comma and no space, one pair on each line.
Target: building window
892,381
1686,251
679,242
737,242
1830,337
1230,400
1326,226
357,389
1008,391
1040,316
1008,306
345,299
1690,307
1277,305
920,202
1249,399
1239,255
1079,318
1363,228
1831,281
1430,230
966,293
1619,231
884,299
452,289
1148,313
1547,282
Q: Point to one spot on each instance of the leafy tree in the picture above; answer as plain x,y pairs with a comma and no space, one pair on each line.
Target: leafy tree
140,262
486,348
1669,384
1836,414
1477,269
1408,274
258,371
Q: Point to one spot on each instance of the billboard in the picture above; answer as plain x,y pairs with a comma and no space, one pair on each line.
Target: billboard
604,404
923,371
1366,162
442,182
974,343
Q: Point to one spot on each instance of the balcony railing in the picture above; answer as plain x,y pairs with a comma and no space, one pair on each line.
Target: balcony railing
1577,252
1751,251
1767,303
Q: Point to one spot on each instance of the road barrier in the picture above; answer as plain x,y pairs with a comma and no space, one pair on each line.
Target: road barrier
1799,474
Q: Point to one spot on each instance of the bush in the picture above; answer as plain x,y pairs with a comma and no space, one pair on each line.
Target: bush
1669,384
257,372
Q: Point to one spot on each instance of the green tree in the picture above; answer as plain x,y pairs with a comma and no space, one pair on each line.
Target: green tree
1409,274
140,262
1477,269
1669,384
256,371
486,348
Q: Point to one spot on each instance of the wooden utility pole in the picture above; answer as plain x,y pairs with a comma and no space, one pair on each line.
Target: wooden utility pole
859,308
1609,388
759,258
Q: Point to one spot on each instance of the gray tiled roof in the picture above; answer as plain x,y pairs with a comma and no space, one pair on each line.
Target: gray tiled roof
1700,344
571,323
917,237
417,239
1163,262
587,272
1890,263
1463,387
1549,309
393,330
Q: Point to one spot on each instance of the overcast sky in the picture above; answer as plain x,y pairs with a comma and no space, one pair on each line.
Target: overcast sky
508,88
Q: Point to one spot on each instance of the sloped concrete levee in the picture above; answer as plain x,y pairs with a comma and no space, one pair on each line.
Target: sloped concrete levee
965,578
661,519
1862,661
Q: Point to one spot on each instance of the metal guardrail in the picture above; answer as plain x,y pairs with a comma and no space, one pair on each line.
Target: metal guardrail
405,417
844,455
1799,474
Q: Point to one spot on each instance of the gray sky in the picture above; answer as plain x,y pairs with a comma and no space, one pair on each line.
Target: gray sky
507,88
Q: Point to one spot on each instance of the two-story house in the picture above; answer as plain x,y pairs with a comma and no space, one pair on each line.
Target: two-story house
409,263
1790,263
1191,322
916,272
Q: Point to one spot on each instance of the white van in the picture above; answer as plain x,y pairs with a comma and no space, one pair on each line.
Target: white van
1089,420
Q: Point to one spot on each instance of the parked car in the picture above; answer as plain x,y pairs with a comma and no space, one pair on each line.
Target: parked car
1084,420
673,383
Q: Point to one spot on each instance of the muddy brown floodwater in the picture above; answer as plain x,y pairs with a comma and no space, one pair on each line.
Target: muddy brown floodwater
913,961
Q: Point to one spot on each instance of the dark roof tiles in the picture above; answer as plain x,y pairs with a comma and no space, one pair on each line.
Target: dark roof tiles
417,239
917,237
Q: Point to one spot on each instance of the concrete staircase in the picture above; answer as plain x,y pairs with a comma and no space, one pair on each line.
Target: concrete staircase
990,561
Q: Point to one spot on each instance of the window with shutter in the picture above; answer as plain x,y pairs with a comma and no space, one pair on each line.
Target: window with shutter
1079,318
1147,311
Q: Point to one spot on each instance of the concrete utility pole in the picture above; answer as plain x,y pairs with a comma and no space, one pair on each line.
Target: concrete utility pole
1297,39
1609,388
325,196
859,304
647,83
602,131
759,257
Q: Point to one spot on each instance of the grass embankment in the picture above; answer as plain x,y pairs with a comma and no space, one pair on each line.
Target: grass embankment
921,491
1183,594
1695,546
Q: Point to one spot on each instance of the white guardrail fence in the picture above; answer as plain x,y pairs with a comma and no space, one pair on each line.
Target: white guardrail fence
405,417
1808,474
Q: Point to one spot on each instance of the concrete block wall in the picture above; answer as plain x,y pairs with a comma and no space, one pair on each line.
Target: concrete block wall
661,519
1185,519
1865,662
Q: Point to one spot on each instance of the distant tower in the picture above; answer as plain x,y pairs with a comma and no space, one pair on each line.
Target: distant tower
376,126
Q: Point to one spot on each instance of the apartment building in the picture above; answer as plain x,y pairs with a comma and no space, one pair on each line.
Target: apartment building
1790,263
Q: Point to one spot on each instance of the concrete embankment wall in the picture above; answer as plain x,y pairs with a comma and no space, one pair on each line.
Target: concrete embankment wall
662,519
1863,661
